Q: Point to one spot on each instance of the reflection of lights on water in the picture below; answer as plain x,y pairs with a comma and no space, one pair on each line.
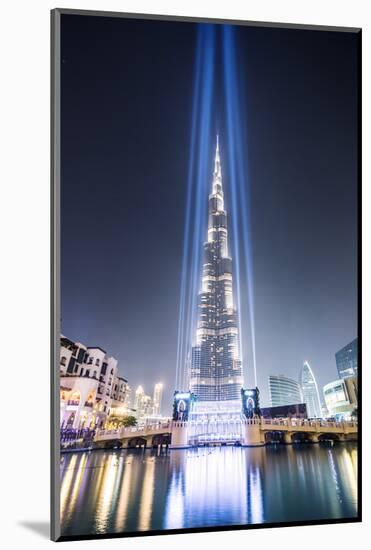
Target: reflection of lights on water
67,485
333,472
205,487
344,475
145,512
77,483
212,486
106,494
70,488
174,513
123,504
348,462
256,496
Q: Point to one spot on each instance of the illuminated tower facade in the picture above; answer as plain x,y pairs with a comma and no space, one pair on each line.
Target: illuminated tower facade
216,371
310,391
157,399
347,360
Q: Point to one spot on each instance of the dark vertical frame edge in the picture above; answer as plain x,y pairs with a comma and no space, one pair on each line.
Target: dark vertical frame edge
359,264
55,137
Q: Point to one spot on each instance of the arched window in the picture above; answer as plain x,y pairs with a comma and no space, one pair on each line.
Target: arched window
74,398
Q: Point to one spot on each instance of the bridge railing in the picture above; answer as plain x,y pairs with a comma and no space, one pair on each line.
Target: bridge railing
134,430
267,424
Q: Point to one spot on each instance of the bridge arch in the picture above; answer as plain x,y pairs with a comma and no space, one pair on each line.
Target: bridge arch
136,442
300,437
161,439
113,444
274,436
329,436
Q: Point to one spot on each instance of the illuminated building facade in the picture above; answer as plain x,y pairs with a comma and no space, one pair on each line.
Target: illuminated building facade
90,386
283,391
143,404
216,371
341,397
309,390
157,399
347,360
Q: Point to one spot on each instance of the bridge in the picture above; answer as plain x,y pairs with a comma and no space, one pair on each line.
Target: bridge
293,430
158,435
259,431
245,432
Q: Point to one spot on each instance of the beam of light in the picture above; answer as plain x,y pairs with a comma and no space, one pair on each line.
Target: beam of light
186,244
235,231
238,179
202,177
196,199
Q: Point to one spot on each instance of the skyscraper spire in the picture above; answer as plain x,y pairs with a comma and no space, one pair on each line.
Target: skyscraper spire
217,187
216,372
217,168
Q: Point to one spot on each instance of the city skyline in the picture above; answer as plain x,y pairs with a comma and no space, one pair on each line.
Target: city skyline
303,221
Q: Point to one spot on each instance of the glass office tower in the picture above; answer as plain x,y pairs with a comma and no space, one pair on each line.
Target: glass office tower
284,391
347,360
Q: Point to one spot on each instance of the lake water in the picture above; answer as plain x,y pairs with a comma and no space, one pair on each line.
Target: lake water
126,491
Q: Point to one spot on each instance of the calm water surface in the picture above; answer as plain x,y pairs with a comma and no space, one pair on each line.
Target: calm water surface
123,491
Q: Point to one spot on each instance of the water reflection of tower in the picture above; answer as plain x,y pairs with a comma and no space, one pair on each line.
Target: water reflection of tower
223,486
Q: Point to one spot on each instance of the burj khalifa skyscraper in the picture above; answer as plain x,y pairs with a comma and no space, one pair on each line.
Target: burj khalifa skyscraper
216,371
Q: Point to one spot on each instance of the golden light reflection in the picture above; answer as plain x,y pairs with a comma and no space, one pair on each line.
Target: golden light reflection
349,464
120,492
123,504
77,484
106,493
145,511
66,487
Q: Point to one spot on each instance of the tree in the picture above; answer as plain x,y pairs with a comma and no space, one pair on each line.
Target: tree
129,421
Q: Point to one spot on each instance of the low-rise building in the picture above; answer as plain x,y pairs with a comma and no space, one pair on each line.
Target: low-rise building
89,385
341,397
298,410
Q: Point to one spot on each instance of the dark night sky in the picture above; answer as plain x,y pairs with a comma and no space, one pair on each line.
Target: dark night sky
126,111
